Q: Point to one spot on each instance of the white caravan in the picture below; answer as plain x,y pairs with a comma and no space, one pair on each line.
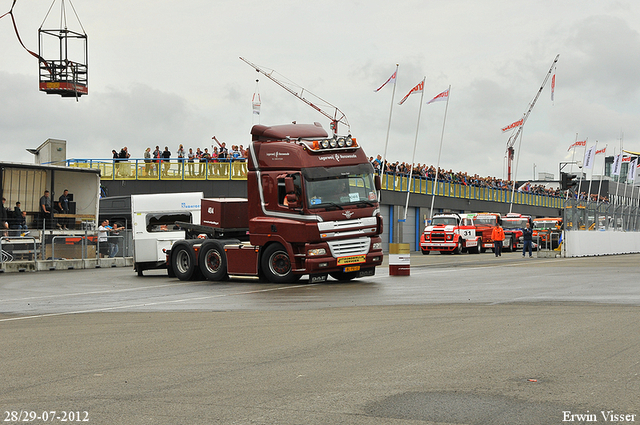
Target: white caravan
154,229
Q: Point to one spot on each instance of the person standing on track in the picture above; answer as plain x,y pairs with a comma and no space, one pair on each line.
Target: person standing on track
498,237
527,240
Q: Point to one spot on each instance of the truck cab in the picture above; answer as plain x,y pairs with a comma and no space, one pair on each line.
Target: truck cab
450,233
546,231
513,223
484,224
312,210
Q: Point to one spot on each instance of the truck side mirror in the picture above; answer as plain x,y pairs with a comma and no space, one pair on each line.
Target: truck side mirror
293,200
377,182
289,187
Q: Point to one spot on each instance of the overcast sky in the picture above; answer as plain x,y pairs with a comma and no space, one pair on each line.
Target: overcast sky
165,72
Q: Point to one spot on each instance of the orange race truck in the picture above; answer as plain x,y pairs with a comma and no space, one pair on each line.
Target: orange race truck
546,231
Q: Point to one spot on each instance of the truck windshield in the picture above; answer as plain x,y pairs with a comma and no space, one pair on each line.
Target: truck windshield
514,223
444,221
486,220
543,225
339,186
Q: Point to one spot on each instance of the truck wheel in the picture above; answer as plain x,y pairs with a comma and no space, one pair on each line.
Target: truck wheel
183,261
425,252
213,261
343,276
458,249
276,265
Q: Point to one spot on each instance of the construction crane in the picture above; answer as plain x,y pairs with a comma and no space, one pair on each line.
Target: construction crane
514,137
337,117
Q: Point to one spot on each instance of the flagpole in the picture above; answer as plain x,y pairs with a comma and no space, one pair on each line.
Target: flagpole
433,195
619,175
415,144
582,168
592,167
386,143
515,170
601,175
573,159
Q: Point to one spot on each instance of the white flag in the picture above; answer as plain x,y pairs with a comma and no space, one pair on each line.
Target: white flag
417,89
391,79
589,156
617,162
440,97
631,175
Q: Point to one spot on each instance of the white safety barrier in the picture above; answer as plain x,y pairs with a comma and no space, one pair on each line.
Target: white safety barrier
590,243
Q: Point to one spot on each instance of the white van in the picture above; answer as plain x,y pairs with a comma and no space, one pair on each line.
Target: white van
154,230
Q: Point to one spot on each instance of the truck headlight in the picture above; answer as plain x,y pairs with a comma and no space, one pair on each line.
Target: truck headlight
377,245
317,251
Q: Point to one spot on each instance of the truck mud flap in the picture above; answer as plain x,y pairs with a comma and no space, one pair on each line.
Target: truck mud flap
367,272
317,278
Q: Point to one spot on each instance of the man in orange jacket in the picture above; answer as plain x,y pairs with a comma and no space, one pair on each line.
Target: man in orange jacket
497,234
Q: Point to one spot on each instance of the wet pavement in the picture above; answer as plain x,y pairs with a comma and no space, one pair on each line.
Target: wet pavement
468,339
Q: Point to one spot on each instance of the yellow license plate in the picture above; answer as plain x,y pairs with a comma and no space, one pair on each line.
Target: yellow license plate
351,269
355,259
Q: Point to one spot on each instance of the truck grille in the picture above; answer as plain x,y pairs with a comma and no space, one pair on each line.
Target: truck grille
437,236
343,248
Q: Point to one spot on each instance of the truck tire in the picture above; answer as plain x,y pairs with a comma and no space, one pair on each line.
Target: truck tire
183,261
213,260
425,251
343,276
276,265
458,249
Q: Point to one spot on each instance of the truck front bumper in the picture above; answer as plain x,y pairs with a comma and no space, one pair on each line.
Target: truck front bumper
438,246
355,263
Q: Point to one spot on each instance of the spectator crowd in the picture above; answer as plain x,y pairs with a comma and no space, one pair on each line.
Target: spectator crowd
429,173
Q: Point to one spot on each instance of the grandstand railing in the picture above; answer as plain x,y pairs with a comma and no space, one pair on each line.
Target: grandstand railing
163,169
181,169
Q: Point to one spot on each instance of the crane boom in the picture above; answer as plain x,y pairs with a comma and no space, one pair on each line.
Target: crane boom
337,117
514,137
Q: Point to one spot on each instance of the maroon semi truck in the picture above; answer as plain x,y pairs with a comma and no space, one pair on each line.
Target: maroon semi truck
311,209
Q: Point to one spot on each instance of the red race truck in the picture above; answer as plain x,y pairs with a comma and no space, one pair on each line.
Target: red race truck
311,209
513,224
450,233
484,224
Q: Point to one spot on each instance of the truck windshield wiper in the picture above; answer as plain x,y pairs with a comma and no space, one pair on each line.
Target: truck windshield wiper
330,204
364,201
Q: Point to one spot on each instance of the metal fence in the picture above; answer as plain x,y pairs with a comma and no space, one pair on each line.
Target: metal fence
581,215
41,245
164,169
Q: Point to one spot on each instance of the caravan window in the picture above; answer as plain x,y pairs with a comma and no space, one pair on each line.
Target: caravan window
166,222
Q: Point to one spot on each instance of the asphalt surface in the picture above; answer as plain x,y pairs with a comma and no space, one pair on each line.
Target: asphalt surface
468,339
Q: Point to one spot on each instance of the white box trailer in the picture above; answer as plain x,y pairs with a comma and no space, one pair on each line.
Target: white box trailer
154,230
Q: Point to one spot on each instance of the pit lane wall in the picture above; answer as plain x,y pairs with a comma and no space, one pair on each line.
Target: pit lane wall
579,243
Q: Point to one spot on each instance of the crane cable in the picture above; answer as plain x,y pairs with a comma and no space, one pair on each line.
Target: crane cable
15,27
